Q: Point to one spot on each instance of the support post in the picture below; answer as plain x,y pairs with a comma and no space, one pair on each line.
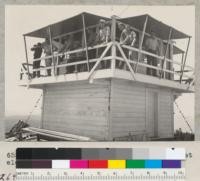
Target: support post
29,75
51,45
85,40
113,39
183,66
164,60
141,43
182,59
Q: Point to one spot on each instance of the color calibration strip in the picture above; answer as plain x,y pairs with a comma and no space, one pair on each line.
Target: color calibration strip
98,164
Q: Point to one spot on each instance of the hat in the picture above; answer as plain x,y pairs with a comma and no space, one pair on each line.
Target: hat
127,26
102,21
121,24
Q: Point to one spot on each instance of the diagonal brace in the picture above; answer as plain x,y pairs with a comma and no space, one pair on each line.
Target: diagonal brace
126,60
99,60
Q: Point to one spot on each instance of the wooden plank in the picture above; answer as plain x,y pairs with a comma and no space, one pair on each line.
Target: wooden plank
183,67
164,60
51,45
26,53
85,40
56,134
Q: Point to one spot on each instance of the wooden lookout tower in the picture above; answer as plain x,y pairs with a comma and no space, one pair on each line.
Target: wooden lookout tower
102,89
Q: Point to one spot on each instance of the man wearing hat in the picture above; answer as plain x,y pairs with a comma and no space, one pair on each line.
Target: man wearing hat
36,55
103,32
127,37
103,36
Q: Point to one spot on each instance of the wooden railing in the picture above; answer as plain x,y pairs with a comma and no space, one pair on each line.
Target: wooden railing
108,57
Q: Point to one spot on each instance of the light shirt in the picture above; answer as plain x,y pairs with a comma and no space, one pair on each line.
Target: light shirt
152,44
128,37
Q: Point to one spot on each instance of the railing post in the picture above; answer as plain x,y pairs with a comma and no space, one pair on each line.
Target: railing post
51,45
182,59
164,60
29,75
183,66
141,43
85,40
113,39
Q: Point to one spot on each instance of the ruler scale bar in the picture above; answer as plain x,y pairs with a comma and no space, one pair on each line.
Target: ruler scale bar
103,174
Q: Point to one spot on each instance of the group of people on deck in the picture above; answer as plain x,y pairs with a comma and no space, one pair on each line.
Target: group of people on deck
100,35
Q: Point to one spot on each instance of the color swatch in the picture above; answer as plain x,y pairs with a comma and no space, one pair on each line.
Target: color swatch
97,164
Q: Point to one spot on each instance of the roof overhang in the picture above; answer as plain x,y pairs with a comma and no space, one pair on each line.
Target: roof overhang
75,23
161,30
66,26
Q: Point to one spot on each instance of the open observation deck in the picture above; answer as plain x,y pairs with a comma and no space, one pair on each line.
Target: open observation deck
111,59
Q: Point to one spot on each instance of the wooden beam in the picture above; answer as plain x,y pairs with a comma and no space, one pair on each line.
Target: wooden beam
126,60
55,134
141,42
113,39
29,75
164,61
188,44
85,40
51,45
99,60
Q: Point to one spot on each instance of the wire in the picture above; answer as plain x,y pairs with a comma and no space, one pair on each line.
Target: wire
123,10
35,106
183,116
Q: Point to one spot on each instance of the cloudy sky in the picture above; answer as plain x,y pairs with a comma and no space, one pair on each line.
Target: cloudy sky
23,19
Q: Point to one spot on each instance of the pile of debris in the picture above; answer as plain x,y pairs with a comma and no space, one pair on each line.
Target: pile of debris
15,134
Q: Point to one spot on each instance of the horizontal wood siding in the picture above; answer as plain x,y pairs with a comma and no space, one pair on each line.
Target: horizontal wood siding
166,118
128,108
77,108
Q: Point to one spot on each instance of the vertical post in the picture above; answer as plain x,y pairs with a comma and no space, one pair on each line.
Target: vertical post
141,42
85,40
164,60
51,45
113,39
182,59
29,76
183,66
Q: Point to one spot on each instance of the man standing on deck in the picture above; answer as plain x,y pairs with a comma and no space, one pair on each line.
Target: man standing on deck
36,55
127,37
152,46
103,35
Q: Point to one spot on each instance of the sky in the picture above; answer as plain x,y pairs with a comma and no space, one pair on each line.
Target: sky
21,19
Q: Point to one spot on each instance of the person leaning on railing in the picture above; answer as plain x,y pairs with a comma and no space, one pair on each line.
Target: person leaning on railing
127,37
152,46
103,35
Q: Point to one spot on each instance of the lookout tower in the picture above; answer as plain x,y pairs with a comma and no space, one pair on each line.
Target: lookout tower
98,90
